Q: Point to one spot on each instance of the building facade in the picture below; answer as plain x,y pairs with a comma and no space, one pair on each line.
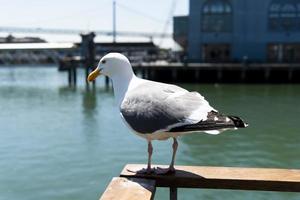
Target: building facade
242,30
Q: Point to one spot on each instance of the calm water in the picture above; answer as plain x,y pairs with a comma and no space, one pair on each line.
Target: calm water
62,143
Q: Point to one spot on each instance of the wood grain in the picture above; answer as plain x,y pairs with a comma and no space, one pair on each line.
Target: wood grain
129,189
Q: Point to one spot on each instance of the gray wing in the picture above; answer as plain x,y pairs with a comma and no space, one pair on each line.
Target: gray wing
155,106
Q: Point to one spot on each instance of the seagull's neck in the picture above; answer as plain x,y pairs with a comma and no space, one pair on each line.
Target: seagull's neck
121,84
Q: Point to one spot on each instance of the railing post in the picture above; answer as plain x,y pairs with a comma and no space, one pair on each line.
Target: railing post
173,193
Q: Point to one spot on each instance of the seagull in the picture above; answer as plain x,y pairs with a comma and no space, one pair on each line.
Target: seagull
159,111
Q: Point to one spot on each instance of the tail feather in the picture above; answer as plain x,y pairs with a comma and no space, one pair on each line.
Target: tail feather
214,121
238,122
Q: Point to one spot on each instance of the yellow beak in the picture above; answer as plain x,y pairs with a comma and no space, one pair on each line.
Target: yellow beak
93,75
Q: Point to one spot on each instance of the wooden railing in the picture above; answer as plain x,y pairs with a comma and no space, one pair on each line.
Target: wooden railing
132,186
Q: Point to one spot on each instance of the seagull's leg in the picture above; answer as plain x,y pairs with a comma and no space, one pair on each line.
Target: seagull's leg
150,151
175,146
147,170
171,168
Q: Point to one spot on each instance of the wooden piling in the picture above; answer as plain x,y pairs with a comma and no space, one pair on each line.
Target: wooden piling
290,75
88,54
69,77
106,82
74,75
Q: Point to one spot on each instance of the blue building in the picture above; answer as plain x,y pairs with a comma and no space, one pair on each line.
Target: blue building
240,30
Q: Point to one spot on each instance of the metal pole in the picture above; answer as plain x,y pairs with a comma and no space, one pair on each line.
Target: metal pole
173,193
114,21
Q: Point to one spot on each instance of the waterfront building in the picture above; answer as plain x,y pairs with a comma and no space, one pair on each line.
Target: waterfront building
135,51
240,31
13,39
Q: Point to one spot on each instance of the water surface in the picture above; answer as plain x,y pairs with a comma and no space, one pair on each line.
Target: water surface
64,143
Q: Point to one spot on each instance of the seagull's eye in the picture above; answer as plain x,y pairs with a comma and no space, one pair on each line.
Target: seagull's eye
103,61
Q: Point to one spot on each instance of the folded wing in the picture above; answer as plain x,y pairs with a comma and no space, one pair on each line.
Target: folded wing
156,107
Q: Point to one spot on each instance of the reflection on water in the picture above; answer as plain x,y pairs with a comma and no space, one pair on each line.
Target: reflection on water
89,121
89,102
67,143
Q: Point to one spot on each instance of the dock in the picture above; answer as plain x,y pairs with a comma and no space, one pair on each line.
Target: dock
255,73
220,72
183,72
131,186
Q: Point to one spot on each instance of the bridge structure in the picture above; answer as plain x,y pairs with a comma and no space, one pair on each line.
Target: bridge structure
57,31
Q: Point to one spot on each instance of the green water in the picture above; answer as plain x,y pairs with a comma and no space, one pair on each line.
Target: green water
62,143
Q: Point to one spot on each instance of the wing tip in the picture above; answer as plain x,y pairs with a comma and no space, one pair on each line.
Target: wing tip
238,122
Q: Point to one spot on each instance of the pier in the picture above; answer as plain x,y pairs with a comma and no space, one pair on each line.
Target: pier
220,73
129,185
256,73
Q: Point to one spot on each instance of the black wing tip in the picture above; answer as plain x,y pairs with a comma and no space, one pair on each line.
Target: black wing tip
238,122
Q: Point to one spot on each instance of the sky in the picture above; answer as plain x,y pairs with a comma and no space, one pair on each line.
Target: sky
132,15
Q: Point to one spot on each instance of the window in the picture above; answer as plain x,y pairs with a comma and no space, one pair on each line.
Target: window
216,16
216,52
284,15
284,52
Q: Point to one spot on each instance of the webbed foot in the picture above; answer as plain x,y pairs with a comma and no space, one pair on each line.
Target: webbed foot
162,171
146,171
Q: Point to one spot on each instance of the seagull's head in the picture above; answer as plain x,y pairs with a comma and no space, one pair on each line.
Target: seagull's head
112,65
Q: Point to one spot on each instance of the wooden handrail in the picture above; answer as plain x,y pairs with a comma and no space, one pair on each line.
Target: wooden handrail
233,178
